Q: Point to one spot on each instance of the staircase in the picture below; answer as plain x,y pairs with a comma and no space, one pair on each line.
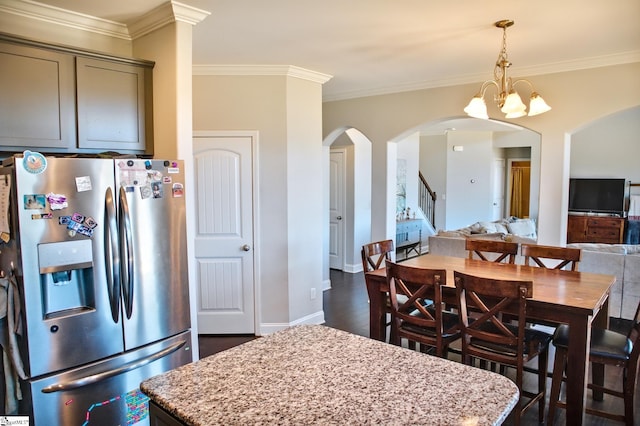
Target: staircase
427,200
412,235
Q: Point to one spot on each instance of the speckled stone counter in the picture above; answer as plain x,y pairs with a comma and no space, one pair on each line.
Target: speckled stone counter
316,375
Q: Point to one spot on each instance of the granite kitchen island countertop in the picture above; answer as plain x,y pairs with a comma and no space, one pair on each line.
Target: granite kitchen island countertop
317,375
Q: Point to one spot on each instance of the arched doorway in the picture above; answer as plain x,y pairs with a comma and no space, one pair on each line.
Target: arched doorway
361,223
356,216
449,167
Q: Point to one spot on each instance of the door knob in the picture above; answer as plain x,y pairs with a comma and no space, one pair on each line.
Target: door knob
339,218
246,247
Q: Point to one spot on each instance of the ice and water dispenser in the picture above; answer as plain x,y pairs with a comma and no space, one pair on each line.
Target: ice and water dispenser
66,277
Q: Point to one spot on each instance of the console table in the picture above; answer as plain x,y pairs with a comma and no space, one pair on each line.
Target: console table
595,229
409,237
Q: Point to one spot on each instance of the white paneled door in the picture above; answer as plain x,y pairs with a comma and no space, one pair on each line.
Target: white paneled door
336,209
224,248
498,188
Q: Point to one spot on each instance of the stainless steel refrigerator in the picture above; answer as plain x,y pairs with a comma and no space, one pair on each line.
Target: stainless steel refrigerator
98,249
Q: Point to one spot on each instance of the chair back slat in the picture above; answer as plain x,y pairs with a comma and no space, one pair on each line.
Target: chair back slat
420,286
375,255
503,250
541,255
419,306
482,303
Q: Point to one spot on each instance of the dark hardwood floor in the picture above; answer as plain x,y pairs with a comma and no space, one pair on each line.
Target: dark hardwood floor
346,307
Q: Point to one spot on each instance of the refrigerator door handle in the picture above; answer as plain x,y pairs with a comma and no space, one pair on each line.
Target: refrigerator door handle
112,257
126,247
94,378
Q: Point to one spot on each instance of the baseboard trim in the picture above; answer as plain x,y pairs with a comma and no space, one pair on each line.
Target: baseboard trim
353,268
326,285
313,319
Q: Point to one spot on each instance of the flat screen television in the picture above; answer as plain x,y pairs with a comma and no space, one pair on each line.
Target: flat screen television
597,195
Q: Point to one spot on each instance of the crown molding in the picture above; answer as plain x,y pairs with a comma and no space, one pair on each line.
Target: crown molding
262,70
67,18
619,58
167,13
550,68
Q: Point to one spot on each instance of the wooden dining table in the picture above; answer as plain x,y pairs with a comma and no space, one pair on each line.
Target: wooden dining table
578,299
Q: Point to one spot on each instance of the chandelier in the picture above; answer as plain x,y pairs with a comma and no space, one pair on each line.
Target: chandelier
507,98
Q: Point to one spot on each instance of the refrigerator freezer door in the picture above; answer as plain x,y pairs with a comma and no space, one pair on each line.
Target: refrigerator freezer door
106,392
153,248
61,219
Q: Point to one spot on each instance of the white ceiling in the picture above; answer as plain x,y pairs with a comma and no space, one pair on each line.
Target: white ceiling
383,46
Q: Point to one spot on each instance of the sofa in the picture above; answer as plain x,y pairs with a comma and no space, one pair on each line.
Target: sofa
512,229
507,229
621,260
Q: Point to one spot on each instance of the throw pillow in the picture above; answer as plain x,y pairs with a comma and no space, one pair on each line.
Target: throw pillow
476,228
488,227
493,227
501,228
523,228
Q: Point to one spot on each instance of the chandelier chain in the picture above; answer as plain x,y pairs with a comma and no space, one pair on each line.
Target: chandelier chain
503,61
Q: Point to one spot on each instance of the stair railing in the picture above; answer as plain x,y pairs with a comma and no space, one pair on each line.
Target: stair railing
427,200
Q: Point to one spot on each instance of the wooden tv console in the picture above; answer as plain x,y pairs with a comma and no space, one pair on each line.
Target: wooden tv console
595,229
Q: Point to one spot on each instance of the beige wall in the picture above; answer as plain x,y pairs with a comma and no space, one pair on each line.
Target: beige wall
609,147
304,198
577,98
286,111
433,165
468,181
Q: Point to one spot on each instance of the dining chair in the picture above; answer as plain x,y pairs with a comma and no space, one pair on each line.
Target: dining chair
485,336
417,309
609,348
544,255
550,257
375,256
502,250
